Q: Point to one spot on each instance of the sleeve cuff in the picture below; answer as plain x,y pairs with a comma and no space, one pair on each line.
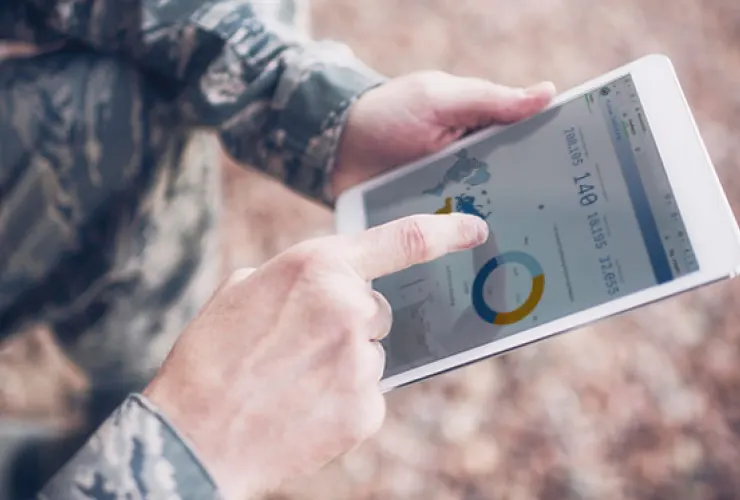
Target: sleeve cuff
136,453
338,87
309,111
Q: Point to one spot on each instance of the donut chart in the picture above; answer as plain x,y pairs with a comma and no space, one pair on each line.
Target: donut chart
494,317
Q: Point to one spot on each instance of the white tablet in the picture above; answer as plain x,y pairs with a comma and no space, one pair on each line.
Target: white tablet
603,202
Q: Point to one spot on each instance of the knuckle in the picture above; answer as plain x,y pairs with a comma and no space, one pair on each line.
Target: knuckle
370,416
350,311
366,310
306,257
349,315
381,352
414,242
354,307
426,83
358,364
383,306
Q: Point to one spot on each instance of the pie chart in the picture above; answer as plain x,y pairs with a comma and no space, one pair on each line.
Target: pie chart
490,315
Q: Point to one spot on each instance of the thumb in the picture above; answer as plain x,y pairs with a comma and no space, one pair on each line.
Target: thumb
474,102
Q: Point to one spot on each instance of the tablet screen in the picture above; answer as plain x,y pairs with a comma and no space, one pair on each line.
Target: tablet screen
580,211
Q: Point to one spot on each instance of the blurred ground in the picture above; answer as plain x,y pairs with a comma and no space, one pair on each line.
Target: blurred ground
643,406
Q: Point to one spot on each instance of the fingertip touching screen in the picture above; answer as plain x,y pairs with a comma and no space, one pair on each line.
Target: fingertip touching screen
580,211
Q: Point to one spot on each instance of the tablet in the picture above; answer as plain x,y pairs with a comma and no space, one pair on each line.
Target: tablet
605,201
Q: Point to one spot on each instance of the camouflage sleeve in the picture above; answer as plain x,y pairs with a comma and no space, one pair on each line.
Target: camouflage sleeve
279,102
136,453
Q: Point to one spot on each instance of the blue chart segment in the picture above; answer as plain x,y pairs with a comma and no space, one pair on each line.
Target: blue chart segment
488,314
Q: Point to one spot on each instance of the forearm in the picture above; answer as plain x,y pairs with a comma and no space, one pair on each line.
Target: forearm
136,453
279,103
295,133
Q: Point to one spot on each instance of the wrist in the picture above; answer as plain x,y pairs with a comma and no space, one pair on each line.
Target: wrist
345,166
208,428
344,161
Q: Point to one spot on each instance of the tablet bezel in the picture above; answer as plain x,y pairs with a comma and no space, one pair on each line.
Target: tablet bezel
707,215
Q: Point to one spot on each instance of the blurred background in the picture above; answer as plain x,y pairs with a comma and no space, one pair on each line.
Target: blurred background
646,405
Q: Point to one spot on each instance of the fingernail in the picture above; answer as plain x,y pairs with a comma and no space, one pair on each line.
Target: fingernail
481,231
541,88
475,230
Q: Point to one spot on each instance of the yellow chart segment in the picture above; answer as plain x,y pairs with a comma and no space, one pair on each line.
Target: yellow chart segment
538,288
447,209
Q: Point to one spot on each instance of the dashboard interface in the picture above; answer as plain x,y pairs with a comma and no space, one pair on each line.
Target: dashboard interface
580,212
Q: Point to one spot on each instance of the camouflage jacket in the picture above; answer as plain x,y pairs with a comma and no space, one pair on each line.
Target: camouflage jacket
136,453
103,234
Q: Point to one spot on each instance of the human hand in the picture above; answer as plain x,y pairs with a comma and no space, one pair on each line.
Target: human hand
421,113
280,372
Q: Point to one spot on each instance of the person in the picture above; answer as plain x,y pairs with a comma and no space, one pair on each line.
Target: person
106,239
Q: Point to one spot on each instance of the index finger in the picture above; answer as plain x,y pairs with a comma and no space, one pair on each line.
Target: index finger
416,239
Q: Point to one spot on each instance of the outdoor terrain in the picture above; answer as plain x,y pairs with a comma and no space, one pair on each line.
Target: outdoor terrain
643,406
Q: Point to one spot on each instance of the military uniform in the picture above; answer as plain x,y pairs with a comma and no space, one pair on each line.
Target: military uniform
109,195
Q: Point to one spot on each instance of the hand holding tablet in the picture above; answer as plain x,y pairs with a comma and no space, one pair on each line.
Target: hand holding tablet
605,201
